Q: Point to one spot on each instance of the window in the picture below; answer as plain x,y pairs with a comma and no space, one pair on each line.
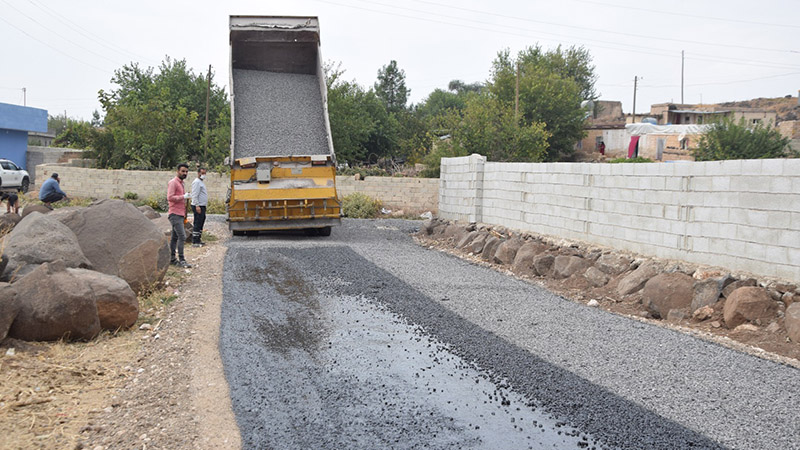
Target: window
756,121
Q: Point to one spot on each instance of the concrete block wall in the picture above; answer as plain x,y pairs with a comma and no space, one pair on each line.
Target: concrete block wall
743,215
412,193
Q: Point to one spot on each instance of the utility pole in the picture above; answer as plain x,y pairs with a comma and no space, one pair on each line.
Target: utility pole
516,96
682,76
208,94
635,81
24,97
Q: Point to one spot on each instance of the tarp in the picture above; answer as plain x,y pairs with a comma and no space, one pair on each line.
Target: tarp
641,129
632,147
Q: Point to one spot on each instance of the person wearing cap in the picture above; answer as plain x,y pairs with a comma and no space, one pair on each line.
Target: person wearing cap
51,191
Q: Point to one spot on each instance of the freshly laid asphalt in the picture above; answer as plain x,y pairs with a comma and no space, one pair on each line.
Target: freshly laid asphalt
365,339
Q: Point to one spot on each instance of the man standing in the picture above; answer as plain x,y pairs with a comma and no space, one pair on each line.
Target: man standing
177,212
50,191
199,203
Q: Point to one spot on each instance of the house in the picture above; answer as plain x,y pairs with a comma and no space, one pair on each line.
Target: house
15,123
685,114
663,142
604,123
41,139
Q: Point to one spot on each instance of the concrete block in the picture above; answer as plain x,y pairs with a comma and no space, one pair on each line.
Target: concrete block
772,167
673,183
777,255
751,167
791,167
720,182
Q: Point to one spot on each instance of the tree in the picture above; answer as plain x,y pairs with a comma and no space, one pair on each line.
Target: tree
77,134
391,87
548,92
729,140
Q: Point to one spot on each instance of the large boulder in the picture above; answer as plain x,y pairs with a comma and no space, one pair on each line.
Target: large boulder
490,248
119,240
543,263
566,266
149,212
31,208
465,240
636,280
476,246
706,293
9,308
728,290
747,304
9,221
612,265
596,277
792,322
54,304
117,304
37,239
507,251
667,291
523,260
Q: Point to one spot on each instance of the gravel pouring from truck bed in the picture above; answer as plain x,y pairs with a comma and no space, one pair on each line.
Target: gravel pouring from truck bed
278,114
622,382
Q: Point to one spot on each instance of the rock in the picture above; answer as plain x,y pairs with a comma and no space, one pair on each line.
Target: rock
784,287
542,263
9,308
426,228
746,327
667,291
34,208
612,264
789,298
3,263
595,277
476,246
566,266
569,251
120,241
523,260
163,226
703,313
145,326
682,267
490,248
39,238
678,314
464,241
706,292
9,221
636,280
507,252
792,322
117,304
774,294
726,292
748,303
716,324
149,212
54,304
706,273
451,231
593,303
773,327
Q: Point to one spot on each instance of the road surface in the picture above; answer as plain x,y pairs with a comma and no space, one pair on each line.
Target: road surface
367,340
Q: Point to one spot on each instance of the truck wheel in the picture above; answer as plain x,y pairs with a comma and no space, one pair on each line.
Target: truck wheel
26,184
324,231
238,233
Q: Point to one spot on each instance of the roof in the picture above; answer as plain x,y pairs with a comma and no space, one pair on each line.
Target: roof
689,111
22,118
641,129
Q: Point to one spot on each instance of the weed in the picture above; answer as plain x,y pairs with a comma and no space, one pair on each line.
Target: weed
360,206
638,159
130,196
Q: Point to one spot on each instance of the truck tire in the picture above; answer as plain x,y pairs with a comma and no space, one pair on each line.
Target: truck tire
26,184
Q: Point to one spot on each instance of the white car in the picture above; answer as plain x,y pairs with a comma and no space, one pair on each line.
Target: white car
12,177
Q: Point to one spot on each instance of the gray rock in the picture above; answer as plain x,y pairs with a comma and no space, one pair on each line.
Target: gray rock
703,313
792,322
595,277
507,251
523,260
476,246
543,263
490,248
149,212
636,280
678,314
117,304
667,291
9,308
726,292
612,264
566,266
747,304
9,221
54,304
31,208
119,240
789,298
464,241
706,293
39,238
451,230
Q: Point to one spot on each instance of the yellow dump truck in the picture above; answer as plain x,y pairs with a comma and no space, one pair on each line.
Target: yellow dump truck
283,167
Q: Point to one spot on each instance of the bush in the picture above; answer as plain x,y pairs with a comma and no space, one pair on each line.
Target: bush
638,159
215,207
130,196
360,206
157,202
729,140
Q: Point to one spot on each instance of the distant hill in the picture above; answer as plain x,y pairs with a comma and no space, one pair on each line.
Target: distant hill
786,107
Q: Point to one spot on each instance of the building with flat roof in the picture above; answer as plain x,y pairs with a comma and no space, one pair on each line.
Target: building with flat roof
15,123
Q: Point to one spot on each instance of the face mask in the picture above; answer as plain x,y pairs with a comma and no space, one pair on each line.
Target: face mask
202,177
182,176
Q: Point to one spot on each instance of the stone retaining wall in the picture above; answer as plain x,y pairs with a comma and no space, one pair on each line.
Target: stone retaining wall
742,215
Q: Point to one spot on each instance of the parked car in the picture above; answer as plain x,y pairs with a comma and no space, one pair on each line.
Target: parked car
12,177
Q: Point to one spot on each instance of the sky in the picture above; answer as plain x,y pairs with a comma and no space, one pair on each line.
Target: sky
63,53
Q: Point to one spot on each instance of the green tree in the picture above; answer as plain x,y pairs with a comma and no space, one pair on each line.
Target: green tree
77,134
391,87
729,140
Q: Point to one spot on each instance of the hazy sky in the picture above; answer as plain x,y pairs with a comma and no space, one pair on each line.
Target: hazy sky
64,52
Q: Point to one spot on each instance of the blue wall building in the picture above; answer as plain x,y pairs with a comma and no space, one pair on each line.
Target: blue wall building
15,122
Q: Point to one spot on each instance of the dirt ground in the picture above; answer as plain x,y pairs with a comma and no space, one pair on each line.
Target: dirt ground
158,385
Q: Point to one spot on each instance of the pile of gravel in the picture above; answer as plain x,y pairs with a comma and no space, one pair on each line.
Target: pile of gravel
278,114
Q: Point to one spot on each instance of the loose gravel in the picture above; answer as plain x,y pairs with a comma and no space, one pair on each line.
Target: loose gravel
278,114
622,382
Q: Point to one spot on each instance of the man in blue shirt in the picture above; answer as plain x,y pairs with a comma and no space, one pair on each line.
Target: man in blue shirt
50,191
